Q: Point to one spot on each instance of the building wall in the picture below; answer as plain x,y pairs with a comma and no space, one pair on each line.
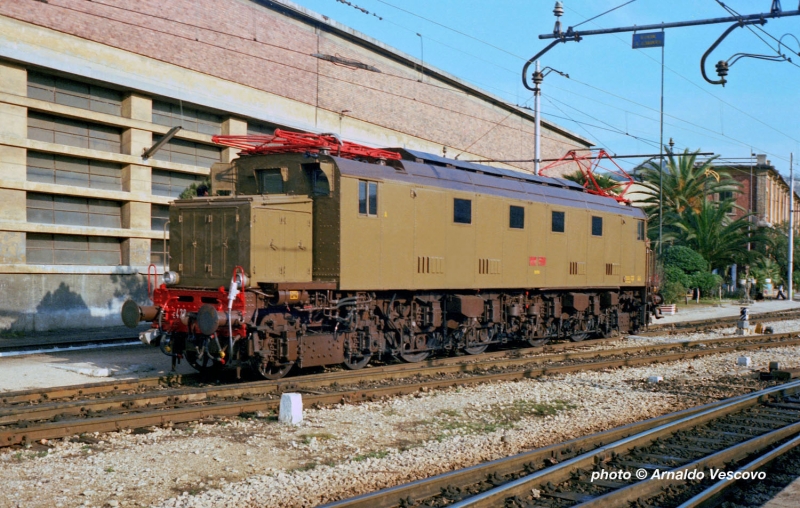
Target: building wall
767,196
85,87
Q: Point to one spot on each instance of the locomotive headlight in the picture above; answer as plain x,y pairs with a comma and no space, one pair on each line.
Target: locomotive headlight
171,278
241,280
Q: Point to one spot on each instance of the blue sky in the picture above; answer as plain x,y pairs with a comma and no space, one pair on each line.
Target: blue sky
613,94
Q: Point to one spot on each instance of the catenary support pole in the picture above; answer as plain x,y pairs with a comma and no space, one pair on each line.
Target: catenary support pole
661,164
791,223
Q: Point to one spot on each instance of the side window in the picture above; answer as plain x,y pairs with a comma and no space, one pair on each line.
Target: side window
597,226
558,222
516,217
462,211
640,234
270,181
367,198
318,180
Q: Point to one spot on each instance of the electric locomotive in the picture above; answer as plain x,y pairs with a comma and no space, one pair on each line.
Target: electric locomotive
312,251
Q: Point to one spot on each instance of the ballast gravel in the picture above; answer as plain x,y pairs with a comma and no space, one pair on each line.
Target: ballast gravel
346,450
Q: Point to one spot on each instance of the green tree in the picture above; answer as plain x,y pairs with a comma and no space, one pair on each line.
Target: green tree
191,191
721,241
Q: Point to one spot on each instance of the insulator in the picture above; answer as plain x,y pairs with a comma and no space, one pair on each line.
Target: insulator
558,10
722,69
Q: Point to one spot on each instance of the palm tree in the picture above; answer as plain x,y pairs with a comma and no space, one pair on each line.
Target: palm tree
720,240
604,181
686,184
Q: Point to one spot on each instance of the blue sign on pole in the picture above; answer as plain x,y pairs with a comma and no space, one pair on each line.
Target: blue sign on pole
648,40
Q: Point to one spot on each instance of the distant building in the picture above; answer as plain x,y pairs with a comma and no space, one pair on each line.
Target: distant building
765,192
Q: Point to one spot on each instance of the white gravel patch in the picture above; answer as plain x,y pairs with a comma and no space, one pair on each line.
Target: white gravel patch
347,450
777,327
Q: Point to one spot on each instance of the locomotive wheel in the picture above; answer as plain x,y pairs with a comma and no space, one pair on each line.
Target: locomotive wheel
355,363
414,357
272,371
203,364
577,337
478,336
538,341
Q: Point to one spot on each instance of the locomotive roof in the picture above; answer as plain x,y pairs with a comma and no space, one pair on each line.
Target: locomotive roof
471,177
429,158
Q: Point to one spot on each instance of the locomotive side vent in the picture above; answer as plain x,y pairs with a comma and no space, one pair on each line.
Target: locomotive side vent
488,266
430,264
577,268
612,268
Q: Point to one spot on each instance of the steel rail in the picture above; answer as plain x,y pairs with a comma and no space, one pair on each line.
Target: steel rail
124,402
652,487
75,391
562,471
716,490
425,488
130,415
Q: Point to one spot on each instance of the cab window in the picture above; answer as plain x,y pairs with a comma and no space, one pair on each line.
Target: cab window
318,180
270,181
640,233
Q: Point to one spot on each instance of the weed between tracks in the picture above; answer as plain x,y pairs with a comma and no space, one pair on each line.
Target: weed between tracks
451,422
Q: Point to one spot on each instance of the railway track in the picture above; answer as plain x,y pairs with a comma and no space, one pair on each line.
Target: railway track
627,466
722,322
30,416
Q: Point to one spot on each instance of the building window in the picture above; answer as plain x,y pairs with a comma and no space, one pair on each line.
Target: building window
367,198
187,152
462,211
270,181
640,231
557,222
187,117
725,195
47,249
74,93
73,211
172,184
159,216
260,129
516,217
62,170
597,226
157,252
64,131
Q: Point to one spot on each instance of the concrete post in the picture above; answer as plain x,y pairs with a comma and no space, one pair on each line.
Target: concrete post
236,127
13,162
136,180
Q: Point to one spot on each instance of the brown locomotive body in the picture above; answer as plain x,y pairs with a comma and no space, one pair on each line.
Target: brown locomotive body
312,259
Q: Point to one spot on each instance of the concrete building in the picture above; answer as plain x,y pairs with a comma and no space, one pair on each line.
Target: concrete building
86,87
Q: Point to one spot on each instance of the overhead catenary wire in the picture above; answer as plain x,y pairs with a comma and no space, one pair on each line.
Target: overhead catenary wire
222,32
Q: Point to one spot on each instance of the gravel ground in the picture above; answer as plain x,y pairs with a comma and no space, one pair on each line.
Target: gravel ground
342,451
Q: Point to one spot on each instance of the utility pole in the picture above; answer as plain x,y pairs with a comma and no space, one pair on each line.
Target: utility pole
537,93
791,222
538,77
